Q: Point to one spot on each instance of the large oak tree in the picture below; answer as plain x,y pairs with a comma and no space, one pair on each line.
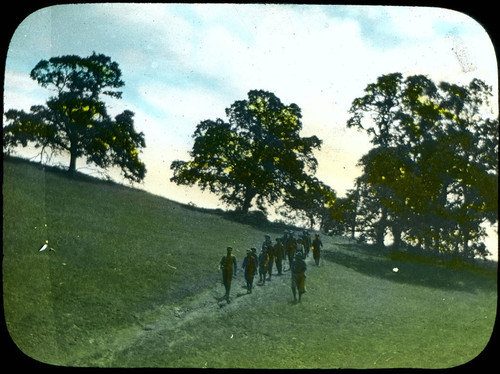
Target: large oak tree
75,119
257,153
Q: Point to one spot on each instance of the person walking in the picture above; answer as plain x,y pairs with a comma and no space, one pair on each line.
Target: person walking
291,247
298,276
268,247
279,255
300,247
250,266
228,267
306,239
316,247
284,243
263,265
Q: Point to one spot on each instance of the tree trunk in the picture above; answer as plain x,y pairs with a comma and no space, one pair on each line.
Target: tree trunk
72,161
396,233
247,203
353,226
355,213
380,229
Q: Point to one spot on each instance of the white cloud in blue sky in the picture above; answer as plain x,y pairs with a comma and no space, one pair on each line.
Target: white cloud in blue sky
183,63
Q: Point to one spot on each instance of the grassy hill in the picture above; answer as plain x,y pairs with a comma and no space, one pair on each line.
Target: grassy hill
133,281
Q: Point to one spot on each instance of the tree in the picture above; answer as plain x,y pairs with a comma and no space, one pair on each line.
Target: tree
433,173
257,154
75,119
386,177
383,102
310,199
339,218
348,209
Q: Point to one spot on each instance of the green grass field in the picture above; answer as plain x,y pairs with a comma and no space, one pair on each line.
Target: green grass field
133,281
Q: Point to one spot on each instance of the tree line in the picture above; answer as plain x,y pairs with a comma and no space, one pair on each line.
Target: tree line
430,180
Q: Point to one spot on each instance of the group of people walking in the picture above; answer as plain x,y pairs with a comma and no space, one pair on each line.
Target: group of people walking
291,248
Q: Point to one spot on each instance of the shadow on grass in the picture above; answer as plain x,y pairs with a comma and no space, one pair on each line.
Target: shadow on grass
381,265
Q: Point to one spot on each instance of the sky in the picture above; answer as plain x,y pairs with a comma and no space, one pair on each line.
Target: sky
184,63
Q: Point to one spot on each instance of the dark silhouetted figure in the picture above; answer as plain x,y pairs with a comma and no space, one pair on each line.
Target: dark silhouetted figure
263,265
268,247
290,247
228,266
298,276
250,268
279,255
316,246
306,240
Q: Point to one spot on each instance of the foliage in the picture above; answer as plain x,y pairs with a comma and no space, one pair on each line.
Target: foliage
311,200
75,119
258,153
432,176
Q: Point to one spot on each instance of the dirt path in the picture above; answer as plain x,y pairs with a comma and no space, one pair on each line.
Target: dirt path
168,320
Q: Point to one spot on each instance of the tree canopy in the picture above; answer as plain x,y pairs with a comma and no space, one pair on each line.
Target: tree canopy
75,118
432,176
257,153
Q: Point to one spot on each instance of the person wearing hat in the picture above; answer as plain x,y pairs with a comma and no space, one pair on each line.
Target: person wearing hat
284,243
250,266
300,247
316,247
228,267
263,265
268,247
298,276
306,240
290,247
279,255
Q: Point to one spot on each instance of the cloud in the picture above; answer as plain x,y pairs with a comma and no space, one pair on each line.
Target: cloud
183,104
185,63
21,92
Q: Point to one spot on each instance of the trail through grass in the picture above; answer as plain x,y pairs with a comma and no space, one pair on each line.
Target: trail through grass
133,281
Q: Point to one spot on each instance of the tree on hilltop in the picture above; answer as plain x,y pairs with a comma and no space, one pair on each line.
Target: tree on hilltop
75,119
257,154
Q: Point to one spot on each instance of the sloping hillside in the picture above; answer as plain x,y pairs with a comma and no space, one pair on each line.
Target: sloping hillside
132,280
